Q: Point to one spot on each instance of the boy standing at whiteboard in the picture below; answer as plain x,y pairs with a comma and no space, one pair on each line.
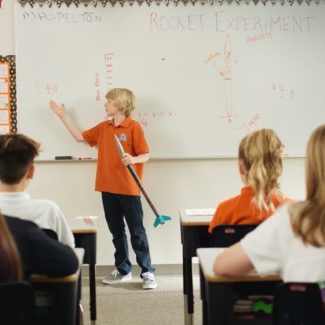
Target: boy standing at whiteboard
120,193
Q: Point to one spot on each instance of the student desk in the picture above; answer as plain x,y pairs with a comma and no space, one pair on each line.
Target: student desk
85,234
61,294
194,234
218,292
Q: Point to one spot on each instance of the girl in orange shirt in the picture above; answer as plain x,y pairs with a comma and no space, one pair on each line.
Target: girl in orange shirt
260,166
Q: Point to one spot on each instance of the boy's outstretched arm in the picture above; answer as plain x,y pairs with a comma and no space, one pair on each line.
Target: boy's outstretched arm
59,110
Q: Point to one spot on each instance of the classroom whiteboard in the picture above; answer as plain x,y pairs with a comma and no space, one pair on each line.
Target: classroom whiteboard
204,75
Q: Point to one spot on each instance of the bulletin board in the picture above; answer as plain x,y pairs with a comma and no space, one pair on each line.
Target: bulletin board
8,102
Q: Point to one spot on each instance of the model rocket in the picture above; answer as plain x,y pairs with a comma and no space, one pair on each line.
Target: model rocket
160,219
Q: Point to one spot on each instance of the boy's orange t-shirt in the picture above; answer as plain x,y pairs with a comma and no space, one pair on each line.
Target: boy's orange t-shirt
112,176
241,210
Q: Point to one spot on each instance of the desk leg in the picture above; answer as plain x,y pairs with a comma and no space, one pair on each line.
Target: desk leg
188,318
188,290
88,242
184,276
92,291
203,299
79,313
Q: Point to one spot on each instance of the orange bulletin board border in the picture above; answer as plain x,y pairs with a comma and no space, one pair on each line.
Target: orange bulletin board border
11,61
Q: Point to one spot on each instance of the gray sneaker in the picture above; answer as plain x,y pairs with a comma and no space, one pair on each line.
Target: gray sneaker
149,281
116,277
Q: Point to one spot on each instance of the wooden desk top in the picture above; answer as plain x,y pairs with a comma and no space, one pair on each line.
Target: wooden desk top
196,217
207,257
35,278
83,225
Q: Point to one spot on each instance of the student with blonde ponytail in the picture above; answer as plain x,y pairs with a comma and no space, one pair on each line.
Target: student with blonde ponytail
308,217
292,241
260,166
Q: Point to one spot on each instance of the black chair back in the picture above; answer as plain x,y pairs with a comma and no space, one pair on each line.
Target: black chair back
298,304
17,303
227,235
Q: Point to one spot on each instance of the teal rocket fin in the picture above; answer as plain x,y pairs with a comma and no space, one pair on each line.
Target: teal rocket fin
160,220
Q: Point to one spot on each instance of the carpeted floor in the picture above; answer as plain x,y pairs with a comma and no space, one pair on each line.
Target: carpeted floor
129,304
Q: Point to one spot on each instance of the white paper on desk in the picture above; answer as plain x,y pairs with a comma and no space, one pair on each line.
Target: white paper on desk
199,212
88,220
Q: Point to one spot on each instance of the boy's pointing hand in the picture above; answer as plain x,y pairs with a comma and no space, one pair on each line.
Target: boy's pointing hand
59,110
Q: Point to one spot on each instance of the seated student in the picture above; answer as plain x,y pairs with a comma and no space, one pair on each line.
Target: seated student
25,249
17,153
292,241
260,166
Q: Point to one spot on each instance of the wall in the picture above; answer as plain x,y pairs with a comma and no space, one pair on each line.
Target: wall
7,44
172,184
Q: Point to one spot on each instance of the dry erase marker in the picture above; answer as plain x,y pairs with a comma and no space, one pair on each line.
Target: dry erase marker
63,157
86,158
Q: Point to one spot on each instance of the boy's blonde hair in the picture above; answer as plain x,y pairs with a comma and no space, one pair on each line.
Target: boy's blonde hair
123,98
308,217
260,152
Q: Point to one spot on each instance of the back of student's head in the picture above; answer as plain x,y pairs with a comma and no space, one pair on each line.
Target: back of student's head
10,264
123,98
261,152
17,153
308,217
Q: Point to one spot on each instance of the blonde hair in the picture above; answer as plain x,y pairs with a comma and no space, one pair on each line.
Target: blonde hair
260,153
123,98
308,217
10,263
